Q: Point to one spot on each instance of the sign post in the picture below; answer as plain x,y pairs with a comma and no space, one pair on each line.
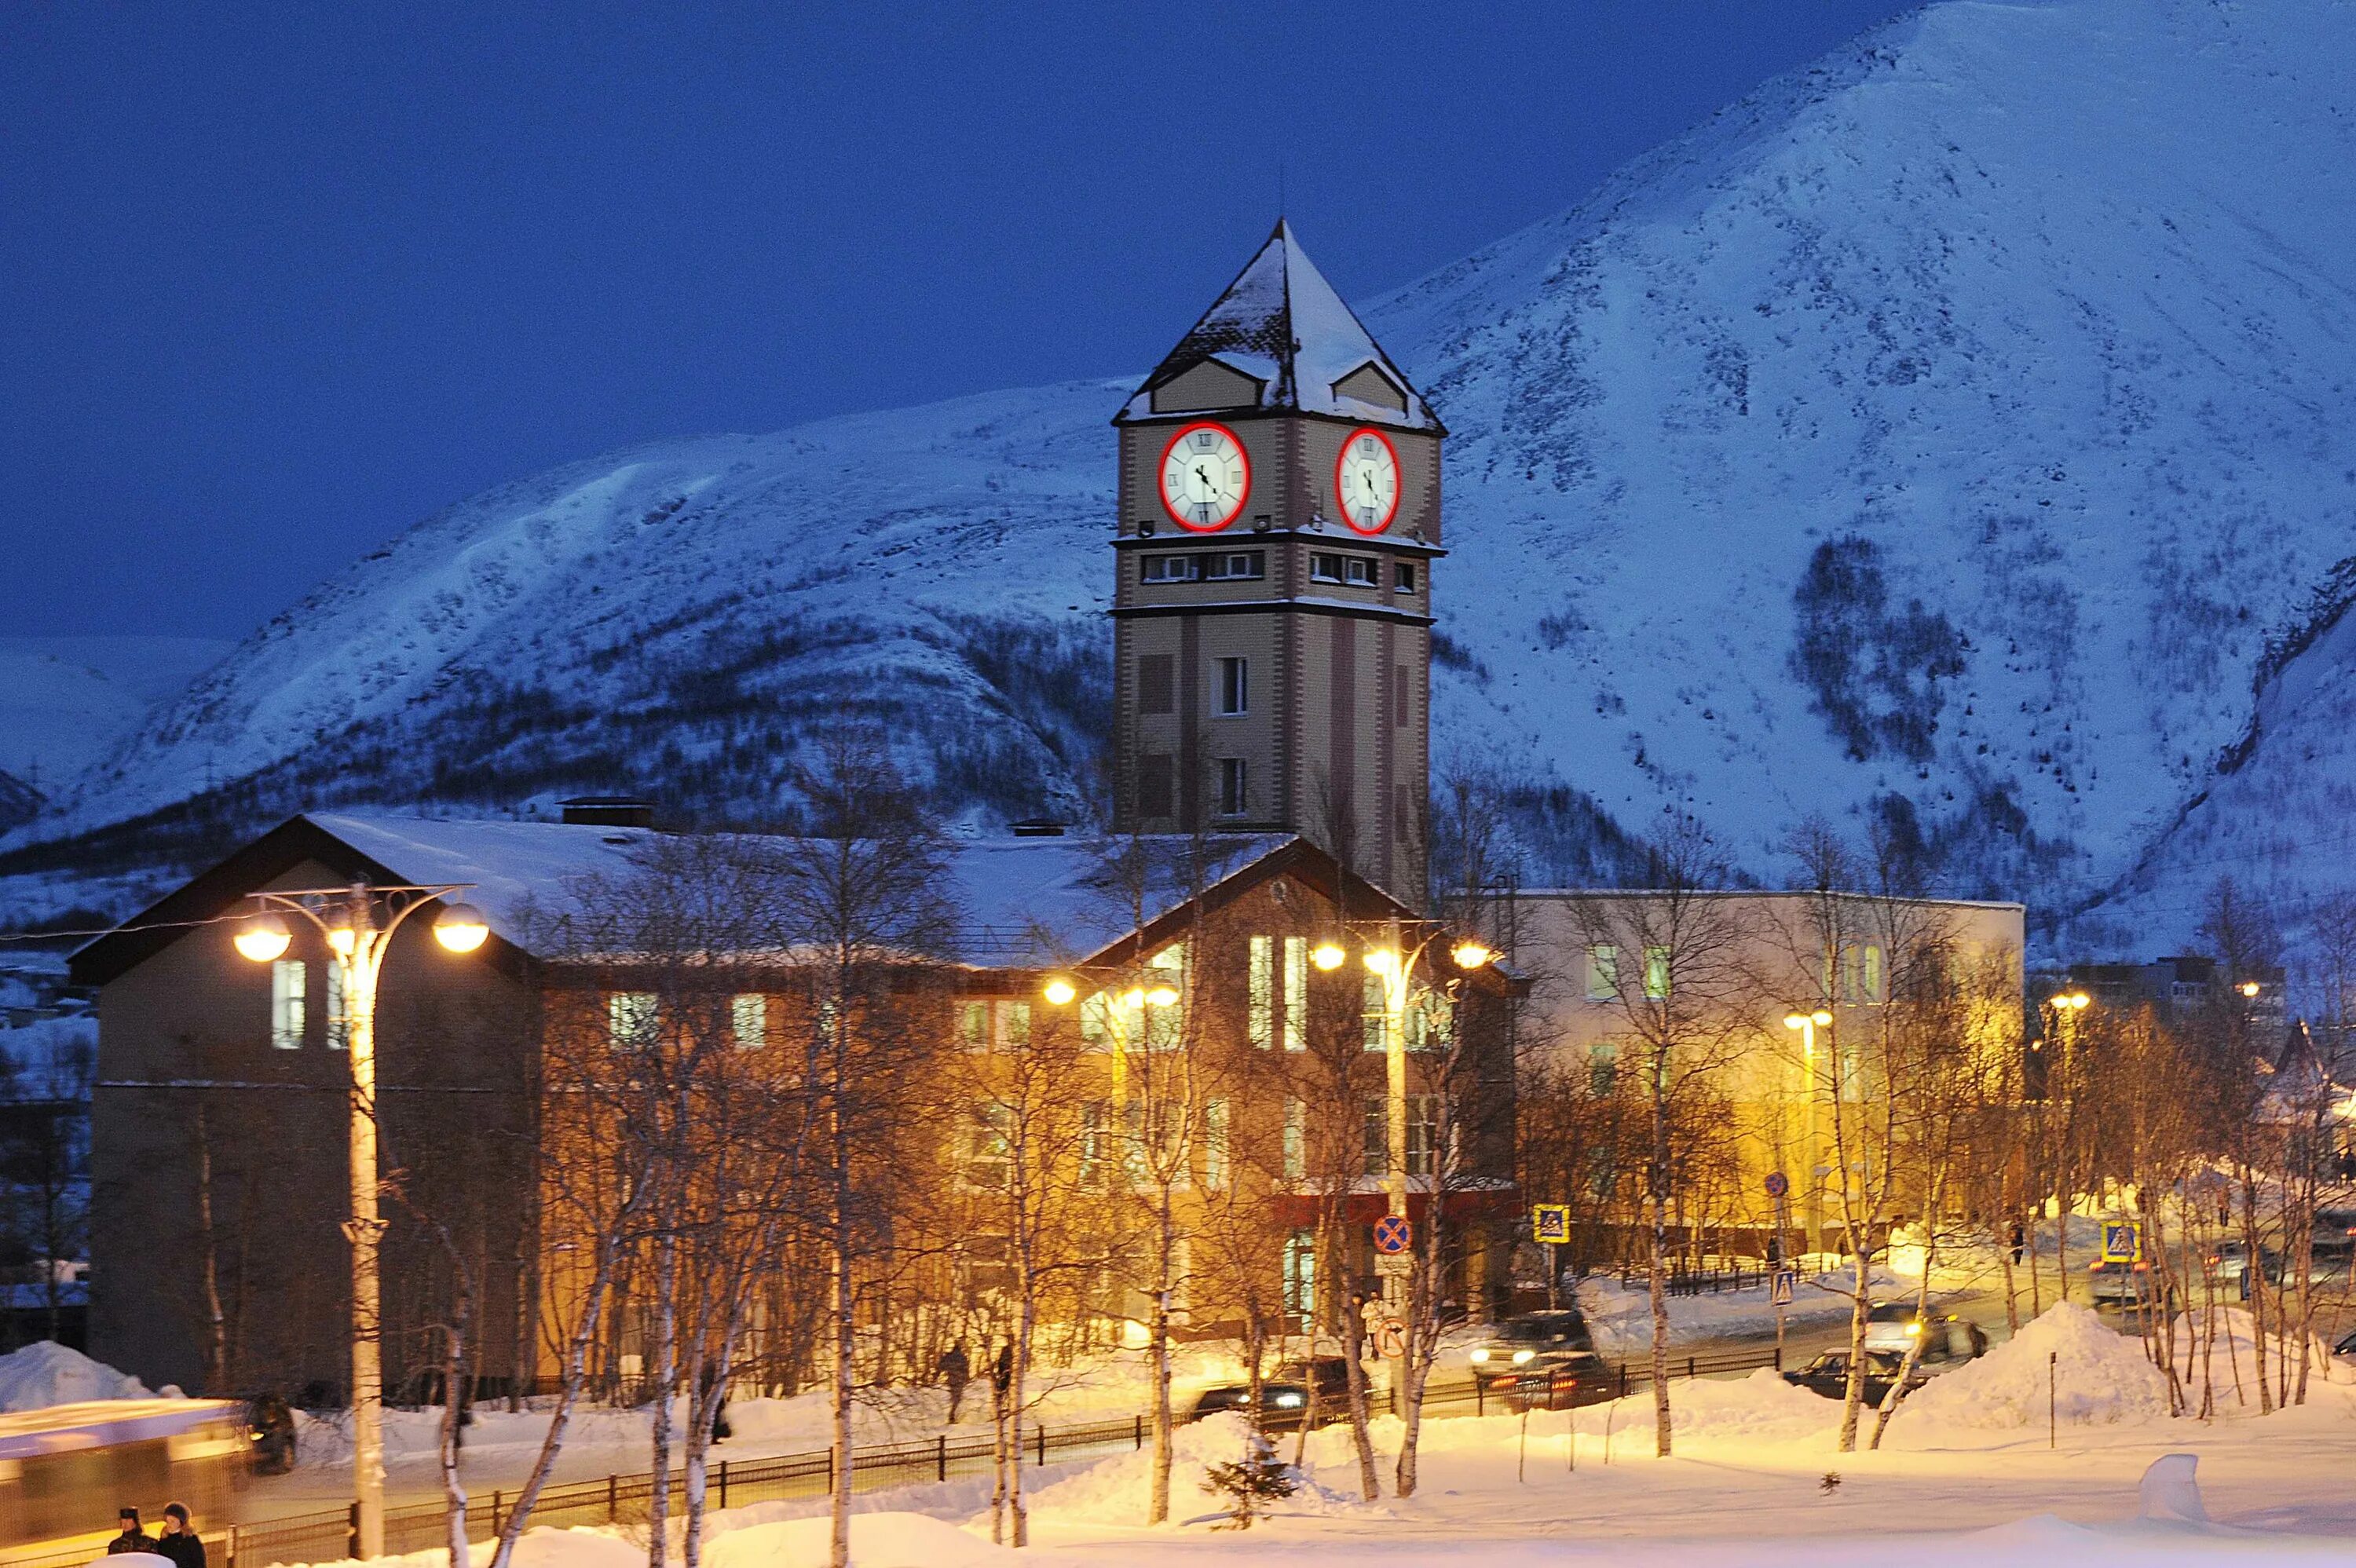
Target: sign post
1779,1189
1550,1224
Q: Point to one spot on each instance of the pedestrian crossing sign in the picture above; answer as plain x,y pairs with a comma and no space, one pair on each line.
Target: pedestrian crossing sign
2121,1242
1550,1221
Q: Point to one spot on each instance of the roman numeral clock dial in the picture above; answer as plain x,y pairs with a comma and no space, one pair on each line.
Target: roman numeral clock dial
1366,481
1206,478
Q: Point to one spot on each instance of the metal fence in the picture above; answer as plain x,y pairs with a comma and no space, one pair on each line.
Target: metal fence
333,1534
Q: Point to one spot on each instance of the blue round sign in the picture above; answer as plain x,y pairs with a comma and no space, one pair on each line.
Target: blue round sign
1776,1184
1391,1234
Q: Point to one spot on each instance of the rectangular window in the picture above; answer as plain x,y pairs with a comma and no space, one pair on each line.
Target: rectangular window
1243,566
287,995
1870,976
1234,687
1259,1007
1093,1151
1371,1007
1324,568
1602,1070
1403,576
1300,1274
1015,1025
1156,684
1296,993
339,1023
1215,1144
630,1017
748,1019
973,1026
1602,972
1402,695
1169,568
1233,800
1359,571
1422,1134
989,1158
1153,784
1296,1140
1656,974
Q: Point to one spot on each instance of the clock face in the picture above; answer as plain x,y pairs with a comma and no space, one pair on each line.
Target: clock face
1205,479
1366,481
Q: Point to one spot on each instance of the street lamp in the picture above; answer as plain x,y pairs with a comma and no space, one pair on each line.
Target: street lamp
358,922
1327,955
1807,1025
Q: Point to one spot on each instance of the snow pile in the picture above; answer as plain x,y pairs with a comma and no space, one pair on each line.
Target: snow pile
1116,1491
45,1374
2100,1379
1762,1405
2224,1351
883,1540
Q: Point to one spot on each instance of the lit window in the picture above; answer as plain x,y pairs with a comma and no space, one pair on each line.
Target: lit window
748,1019
1602,973
287,990
1015,1025
1656,974
973,1026
1422,1134
1261,989
630,1020
1296,992
1872,974
1233,800
1300,1274
1372,1005
1234,687
1215,1144
989,1158
340,1024
1602,1070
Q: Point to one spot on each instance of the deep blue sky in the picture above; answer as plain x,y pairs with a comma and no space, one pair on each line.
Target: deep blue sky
276,282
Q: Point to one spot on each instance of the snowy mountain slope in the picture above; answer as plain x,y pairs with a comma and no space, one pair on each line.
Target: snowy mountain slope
1939,435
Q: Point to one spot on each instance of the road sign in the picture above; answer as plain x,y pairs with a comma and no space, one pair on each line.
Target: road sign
2121,1242
1391,1234
1550,1221
1777,1184
1387,1264
1390,1338
1787,1283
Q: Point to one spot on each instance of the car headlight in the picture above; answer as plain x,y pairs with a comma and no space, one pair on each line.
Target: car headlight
1481,1356
1912,1330
1287,1402
1521,1357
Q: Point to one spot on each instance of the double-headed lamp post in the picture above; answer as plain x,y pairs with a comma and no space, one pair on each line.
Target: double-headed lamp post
1807,1025
357,923
1393,962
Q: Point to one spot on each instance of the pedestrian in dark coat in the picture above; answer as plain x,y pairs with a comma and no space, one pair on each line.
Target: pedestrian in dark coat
178,1542
133,1538
1001,1377
957,1372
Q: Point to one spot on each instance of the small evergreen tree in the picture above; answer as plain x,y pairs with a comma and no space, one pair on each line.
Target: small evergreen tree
1251,1483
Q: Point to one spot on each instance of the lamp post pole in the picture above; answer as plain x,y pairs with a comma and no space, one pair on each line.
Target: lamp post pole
347,919
1806,1024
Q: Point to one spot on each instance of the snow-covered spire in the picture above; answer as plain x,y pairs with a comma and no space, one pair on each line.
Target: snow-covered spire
1281,324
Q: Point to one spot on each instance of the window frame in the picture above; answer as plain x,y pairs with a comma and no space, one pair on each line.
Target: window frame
290,1002
1232,683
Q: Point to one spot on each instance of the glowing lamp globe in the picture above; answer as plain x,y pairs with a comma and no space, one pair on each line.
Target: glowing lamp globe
1472,954
1059,991
1161,996
461,928
262,938
1326,956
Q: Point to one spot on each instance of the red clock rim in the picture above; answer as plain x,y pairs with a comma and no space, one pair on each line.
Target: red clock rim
1163,491
1390,513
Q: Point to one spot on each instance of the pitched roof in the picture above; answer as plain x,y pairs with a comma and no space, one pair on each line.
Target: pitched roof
1281,324
1020,902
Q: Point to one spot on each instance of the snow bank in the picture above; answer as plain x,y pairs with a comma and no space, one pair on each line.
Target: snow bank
883,1539
45,1374
1116,1491
2100,1379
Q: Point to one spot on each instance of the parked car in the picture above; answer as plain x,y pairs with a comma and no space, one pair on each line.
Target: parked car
1947,1340
2122,1286
1828,1375
2345,1351
1284,1394
1538,1360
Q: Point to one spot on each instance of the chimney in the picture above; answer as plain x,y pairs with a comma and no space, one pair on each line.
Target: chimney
608,811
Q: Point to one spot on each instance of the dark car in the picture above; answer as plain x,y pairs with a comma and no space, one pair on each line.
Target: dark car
1828,1375
270,1428
1284,1394
1947,1340
1538,1361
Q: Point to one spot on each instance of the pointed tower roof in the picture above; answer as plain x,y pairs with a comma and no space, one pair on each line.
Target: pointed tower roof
1281,324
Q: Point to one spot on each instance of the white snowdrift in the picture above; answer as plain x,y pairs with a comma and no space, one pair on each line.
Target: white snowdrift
45,1374
1116,1491
877,1541
2101,1378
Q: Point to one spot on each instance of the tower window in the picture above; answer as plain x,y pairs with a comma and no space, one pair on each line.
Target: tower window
1242,565
1155,690
1170,569
1232,797
1403,576
1234,687
1324,568
1356,570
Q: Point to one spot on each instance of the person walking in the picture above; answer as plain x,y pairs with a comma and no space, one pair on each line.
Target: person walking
133,1538
957,1372
178,1541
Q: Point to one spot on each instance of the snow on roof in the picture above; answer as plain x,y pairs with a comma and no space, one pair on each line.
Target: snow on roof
1020,902
1281,324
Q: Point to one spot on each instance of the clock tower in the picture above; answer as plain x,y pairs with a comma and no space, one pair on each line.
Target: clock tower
1280,519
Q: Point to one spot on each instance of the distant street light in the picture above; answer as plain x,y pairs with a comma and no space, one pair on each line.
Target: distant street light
358,922
1807,1025
1327,955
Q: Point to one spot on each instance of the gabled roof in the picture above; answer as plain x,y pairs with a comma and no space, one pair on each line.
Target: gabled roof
1281,324
1022,903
